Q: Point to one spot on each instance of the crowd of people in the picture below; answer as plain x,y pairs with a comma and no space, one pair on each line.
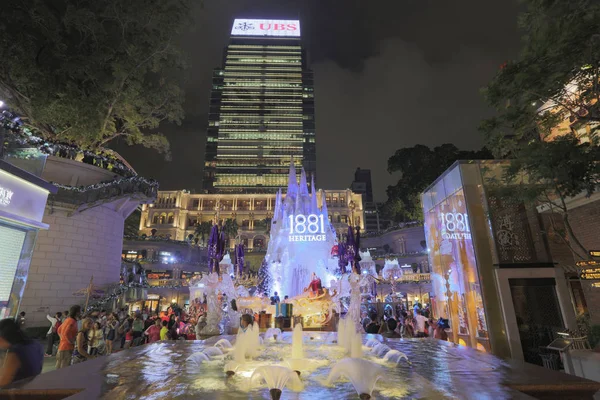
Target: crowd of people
404,323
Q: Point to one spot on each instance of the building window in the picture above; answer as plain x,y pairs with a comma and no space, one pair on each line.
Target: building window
171,218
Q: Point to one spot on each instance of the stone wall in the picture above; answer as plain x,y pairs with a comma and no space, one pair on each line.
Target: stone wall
66,256
83,240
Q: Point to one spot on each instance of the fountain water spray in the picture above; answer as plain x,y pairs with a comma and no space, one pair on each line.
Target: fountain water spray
277,377
224,344
349,338
213,351
198,358
362,374
297,342
395,356
272,333
380,349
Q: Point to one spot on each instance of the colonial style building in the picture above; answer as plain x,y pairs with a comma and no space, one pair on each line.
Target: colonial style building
175,214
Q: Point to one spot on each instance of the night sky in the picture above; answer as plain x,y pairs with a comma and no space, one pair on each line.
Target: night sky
388,74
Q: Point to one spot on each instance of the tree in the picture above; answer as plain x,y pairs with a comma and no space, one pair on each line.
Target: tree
548,110
420,166
88,72
264,223
230,227
132,223
202,230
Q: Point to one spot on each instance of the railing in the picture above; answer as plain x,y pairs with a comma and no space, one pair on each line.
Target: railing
135,185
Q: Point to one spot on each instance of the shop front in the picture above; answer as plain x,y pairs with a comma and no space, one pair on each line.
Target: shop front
492,275
23,199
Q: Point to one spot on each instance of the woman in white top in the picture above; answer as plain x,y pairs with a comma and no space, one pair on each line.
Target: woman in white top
52,335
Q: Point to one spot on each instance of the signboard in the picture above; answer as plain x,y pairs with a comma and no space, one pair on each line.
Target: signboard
596,285
456,226
590,274
21,198
159,274
587,263
309,228
266,27
595,253
188,275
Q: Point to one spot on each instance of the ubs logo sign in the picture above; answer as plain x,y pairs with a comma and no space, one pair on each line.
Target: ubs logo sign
5,196
267,27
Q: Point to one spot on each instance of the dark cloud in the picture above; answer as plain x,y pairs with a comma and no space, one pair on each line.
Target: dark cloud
388,74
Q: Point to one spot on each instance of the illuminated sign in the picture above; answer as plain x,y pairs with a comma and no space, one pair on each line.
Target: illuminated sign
596,284
5,196
457,226
590,274
595,253
159,274
188,275
266,27
587,263
309,228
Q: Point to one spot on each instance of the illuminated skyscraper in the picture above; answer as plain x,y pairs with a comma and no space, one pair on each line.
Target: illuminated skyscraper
261,110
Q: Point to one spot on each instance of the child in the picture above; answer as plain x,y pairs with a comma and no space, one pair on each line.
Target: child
95,337
164,331
128,338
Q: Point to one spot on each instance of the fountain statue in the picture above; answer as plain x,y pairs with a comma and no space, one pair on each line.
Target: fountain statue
363,375
301,238
277,377
355,300
214,310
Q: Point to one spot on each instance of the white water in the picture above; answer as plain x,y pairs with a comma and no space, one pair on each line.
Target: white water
362,373
297,343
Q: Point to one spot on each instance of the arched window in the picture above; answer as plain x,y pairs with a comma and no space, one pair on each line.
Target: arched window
258,242
171,218
163,218
155,218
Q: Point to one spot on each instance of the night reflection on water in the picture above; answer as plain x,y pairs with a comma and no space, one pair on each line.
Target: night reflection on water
437,371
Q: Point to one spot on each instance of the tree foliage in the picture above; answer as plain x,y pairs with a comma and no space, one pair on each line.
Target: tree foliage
88,72
420,166
202,230
547,108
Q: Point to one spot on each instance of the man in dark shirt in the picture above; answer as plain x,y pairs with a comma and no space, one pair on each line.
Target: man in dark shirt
275,299
391,329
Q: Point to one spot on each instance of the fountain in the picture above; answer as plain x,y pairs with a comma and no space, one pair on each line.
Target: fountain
362,374
198,358
349,338
214,311
297,343
272,333
213,351
224,344
395,356
380,349
277,377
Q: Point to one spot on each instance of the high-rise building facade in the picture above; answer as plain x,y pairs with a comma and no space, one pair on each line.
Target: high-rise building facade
262,111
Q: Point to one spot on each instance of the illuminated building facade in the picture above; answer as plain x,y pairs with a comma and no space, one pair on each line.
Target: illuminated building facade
175,214
261,110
